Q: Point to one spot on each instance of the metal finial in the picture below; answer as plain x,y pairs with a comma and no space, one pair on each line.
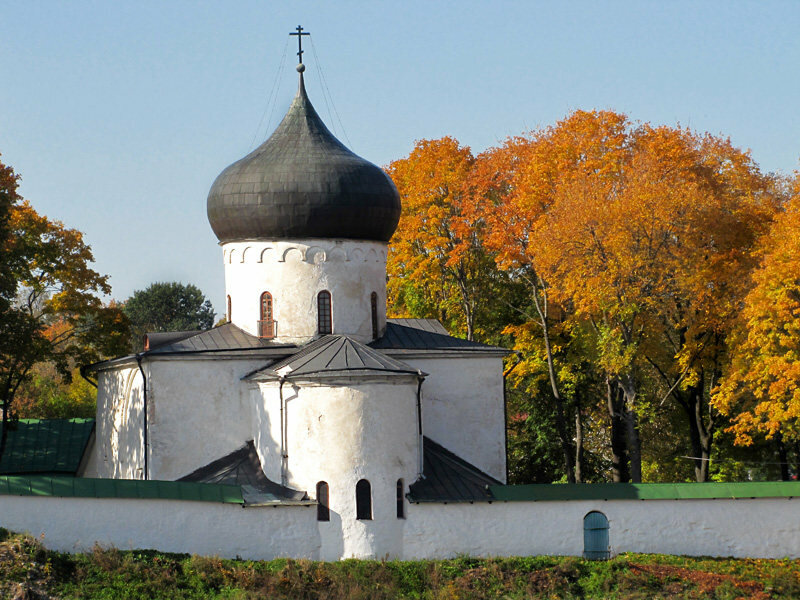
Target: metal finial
299,33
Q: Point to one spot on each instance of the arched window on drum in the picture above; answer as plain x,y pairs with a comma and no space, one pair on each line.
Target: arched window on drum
266,324
324,312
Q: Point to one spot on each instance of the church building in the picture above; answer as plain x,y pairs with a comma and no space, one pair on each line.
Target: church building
309,394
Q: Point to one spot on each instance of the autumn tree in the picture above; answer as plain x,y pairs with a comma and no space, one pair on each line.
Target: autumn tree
49,305
761,388
167,306
436,268
515,188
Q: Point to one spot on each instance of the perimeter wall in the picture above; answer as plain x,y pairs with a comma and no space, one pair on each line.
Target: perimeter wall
760,527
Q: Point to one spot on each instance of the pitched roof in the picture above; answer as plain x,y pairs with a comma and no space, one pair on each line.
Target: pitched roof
224,337
334,355
449,478
242,467
53,446
426,334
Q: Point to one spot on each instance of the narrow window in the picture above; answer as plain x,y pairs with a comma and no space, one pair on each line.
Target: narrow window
323,510
324,311
229,309
401,507
266,325
373,300
363,501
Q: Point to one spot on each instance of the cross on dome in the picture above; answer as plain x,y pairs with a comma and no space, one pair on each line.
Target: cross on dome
299,33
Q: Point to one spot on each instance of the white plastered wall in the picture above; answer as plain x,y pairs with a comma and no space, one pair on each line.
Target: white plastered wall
204,528
119,442
294,273
199,410
758,528
341,432
462,407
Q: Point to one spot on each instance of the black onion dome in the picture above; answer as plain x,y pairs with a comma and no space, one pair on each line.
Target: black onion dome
303,183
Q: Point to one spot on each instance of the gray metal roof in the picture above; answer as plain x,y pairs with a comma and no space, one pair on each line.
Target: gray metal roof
426,334
449,478
303,183
334,355
243,468
224,337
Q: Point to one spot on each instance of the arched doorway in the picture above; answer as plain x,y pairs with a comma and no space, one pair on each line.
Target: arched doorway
595,536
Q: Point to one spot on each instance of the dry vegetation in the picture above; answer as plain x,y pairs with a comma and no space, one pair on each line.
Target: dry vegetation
28,571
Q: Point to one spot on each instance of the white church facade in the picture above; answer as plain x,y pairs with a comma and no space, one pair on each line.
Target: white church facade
308,394
311,426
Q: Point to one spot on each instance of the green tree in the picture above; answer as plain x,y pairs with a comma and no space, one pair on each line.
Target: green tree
49,305
167,306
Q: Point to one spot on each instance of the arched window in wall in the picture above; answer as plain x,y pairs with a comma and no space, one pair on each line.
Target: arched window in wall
266,325
401,506
323,509
229,309
324,312
373,301
363,500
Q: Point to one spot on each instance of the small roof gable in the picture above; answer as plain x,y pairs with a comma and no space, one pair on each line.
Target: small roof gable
53,446
243,468
449,478
426,334
334,355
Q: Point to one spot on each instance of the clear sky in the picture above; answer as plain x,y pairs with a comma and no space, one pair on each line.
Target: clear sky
119,115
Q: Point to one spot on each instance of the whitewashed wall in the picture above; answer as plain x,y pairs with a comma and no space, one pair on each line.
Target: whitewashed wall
344,431
462,407
758,528
204,528
198,411
119,443
294,273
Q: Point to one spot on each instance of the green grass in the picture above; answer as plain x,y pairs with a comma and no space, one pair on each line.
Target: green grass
27,568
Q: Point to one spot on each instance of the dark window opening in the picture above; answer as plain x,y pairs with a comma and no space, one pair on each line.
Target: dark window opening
373,299
323,510
229,309
363,500
324,312
401,506
266,325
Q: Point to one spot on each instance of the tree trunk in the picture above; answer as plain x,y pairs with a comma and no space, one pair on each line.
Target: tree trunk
619,455
701,434
578,445
634,442
783,457
4,433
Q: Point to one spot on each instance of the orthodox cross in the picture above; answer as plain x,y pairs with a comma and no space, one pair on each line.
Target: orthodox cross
300,35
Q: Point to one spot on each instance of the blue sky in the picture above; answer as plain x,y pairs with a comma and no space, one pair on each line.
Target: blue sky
119,115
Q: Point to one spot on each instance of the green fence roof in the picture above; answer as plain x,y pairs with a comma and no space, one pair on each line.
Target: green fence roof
78,487
645,491
46,446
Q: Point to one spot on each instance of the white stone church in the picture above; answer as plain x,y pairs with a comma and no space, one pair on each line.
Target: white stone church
308,393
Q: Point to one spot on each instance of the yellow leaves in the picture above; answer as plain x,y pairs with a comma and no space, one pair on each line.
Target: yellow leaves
764,378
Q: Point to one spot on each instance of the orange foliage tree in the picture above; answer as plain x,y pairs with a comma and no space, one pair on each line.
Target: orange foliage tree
436,267
761,389
49,305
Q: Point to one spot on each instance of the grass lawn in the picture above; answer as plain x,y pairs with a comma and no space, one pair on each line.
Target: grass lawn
27,570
